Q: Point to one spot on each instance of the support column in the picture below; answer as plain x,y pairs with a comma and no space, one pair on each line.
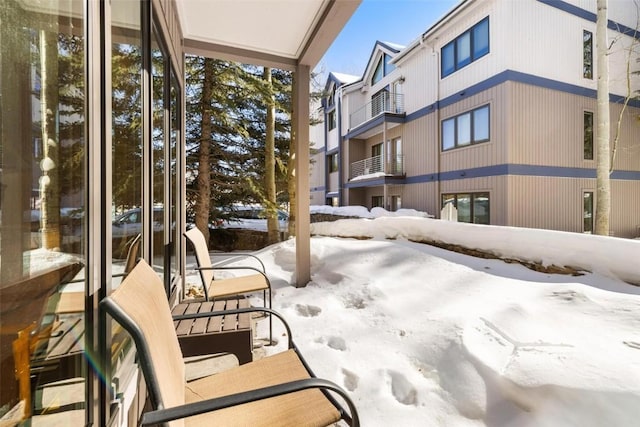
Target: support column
300,125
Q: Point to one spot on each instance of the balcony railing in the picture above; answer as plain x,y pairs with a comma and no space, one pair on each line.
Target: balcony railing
384,102
377,164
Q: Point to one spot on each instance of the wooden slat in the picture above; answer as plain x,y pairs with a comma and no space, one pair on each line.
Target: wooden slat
71,340
200,325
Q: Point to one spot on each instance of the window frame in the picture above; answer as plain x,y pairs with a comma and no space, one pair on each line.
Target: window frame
592,208
455,120
473,195
452,49
587,55
587,134
331,120
333,163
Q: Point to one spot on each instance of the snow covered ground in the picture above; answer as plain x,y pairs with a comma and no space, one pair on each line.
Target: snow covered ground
421,336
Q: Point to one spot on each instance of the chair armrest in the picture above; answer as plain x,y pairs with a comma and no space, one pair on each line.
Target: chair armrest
196,408
239,255
291,344
236,268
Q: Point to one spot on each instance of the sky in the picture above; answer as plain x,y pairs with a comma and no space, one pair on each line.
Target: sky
422,336
396,21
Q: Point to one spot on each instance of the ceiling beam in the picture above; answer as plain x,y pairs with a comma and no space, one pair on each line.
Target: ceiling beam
243,56
333,19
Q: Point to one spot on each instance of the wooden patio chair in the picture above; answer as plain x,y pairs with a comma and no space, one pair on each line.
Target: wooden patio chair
227,287
278,390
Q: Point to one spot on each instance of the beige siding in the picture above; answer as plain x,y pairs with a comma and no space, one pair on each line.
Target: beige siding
557,204
547,202
420,147
423,197
487,153
625,208
333,181
547,129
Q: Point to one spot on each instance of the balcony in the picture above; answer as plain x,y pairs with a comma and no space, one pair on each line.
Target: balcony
384,102
377,165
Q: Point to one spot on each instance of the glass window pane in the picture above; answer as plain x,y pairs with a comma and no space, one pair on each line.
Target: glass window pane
481,208
448,134
464,129
587,54
588,135
481,39
388,66
158,63
481,124
463,50
377,74
448,59
42,166
587,215
464,208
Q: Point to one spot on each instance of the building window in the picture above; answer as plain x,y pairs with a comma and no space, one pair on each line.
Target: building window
588,135
331,120
587,54
333,162
465,129
466,48
378,73
377,202
388,66
587,216
472,207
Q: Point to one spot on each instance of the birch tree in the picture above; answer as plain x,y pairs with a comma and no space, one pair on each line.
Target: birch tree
603,125
270,160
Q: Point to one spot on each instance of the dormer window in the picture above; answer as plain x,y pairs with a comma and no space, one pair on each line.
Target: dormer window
383,68
331,99
378,73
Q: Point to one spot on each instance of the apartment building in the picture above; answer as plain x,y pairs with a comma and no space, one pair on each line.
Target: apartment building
492,108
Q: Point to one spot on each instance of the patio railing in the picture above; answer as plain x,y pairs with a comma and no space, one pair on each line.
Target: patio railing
377,164
385,102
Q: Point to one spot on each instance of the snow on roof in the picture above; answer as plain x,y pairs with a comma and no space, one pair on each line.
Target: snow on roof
345,78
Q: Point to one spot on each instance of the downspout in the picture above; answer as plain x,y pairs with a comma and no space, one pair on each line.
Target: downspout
435,54
326,142
338,110
385,147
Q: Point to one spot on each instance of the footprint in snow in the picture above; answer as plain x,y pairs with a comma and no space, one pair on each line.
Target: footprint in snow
305,310
402,389
350,380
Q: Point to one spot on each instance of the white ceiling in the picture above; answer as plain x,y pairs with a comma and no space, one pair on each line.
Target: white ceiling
282,29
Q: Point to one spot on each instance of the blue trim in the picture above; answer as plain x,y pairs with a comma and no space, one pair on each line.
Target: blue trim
377,121
332,151
590,16
496,170
374,182
520,170
314,189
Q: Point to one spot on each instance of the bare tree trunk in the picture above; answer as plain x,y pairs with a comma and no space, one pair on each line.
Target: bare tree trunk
603,184
291,184
273,235
50,163
203,200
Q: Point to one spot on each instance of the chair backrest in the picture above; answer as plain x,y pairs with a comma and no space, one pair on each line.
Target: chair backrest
140,306
132,254
203,259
